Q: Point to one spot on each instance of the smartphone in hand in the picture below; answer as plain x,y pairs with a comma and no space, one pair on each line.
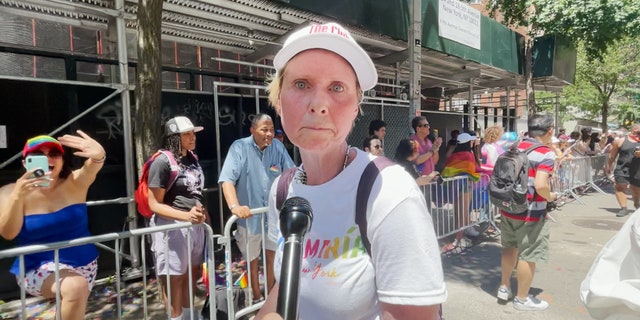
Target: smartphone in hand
41,163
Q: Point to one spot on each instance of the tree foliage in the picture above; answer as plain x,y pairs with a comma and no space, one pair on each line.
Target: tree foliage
596,24
601,82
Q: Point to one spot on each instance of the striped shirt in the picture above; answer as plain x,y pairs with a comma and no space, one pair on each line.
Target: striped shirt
541,158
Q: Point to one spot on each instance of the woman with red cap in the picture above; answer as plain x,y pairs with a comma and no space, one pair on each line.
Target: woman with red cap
51,208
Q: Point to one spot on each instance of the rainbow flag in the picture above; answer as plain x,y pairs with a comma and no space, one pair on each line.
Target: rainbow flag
243,281
205,274
461,163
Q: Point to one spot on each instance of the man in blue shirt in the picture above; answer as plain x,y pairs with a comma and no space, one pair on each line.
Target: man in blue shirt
249,169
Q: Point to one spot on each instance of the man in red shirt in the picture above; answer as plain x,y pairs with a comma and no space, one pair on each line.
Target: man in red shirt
525,237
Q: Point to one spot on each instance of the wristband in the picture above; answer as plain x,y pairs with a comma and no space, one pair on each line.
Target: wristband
101,160
233,206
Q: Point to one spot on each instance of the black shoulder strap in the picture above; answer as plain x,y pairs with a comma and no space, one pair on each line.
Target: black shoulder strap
367,179
283,186
533,147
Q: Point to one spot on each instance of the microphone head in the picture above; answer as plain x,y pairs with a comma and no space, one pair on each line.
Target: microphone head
295,216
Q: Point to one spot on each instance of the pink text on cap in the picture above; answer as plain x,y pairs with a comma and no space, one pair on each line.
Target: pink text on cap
329,28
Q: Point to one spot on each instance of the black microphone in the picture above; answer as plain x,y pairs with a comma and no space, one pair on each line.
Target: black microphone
295,222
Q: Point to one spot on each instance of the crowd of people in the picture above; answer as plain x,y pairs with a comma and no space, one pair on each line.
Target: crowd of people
321,73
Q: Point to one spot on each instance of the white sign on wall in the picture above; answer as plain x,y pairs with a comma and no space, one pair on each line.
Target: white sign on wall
459,22
3,137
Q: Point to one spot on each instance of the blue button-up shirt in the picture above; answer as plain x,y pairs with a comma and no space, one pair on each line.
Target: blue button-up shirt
252,172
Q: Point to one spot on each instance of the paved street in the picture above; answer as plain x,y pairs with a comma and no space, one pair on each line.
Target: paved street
577,235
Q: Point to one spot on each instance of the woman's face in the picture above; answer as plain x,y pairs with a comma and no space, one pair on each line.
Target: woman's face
319,99
187,141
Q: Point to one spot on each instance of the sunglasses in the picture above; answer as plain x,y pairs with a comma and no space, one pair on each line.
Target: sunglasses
50,154
423,125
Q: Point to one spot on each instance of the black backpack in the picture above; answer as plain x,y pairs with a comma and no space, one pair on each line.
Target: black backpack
510,179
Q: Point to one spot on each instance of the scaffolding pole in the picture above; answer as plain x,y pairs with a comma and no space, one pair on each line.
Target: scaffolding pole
126,124
415,57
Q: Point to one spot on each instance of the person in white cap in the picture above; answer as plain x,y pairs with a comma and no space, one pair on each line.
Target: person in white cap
321,73
462,162
177,202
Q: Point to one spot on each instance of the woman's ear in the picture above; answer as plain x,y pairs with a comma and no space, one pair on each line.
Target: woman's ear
278,107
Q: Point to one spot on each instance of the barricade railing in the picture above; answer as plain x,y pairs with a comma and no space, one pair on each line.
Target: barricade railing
225,240
597,165
458,203
20,253
566,178
572,174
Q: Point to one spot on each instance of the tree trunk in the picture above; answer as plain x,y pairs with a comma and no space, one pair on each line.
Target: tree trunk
147,122
605,115
528,76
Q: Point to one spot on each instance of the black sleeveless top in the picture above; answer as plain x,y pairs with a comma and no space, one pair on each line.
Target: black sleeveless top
628,165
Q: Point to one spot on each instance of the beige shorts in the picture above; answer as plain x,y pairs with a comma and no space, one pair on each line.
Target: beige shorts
254,243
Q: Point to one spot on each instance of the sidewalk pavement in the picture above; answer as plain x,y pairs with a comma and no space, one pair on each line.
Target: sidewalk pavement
577,235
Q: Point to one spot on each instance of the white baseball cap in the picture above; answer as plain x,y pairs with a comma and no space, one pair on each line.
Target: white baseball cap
465,137
180,124
332,37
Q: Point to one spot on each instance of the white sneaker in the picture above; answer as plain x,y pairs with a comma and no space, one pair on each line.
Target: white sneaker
504,293
471,232
530,304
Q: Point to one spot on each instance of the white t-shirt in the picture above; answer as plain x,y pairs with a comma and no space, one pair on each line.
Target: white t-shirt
490,153
338,279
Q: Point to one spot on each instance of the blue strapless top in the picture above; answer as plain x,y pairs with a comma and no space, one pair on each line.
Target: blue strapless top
68,223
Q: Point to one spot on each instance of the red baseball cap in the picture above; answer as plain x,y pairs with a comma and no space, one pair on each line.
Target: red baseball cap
38,142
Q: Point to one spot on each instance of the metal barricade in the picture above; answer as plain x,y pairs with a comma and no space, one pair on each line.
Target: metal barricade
458,203
20,252
564,180
580,173
225,240
599,175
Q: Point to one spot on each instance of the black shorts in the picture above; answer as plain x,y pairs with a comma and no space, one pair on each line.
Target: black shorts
627,180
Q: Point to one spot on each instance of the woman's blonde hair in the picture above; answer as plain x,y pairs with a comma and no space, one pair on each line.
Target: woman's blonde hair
493,134
274,84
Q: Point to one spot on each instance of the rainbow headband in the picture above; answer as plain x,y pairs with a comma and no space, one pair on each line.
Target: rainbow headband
38,142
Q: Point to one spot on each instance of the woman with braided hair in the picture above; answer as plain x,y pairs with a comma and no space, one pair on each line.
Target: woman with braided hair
180,201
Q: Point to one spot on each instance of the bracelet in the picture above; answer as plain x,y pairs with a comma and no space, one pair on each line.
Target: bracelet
101,160
233,206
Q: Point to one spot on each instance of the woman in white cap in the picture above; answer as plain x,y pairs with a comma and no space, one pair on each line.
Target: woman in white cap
321,73
462,162
174,201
